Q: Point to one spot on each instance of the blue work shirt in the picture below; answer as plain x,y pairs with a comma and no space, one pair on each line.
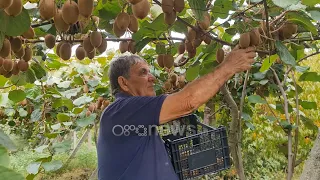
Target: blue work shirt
129,147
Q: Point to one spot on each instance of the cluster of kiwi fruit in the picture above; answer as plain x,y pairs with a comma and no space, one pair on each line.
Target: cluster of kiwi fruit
140,8
170,9
124,22
174,82
125,46
165,60
101,104
92,43
11,7
14,56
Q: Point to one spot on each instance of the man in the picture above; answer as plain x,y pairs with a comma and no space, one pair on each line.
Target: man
125,150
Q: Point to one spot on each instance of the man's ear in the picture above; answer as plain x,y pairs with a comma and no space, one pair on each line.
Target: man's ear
123,82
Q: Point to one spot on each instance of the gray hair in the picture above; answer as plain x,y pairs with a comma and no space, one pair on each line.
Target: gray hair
121,67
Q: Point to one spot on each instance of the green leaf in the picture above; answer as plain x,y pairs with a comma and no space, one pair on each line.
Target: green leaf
17,95
7,173
64,84
41,148
33,168
310,76
83,122
271,118
315,15
15,26
62,117
141,44
30,77
52,166
286,125
249,125
285,3
6,141
22,112
256,99
82,100
267,62
57,103
302,69
160,48
192,72
308,105
35,115
284,54
77,110
302,19
221,9
4,157
56,126
62,147
54,64
71,93
198,8
38,70
310,2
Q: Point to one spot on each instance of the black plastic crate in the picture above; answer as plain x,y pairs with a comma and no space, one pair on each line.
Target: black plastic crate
194,148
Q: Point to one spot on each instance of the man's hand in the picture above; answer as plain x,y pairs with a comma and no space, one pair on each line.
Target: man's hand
239,60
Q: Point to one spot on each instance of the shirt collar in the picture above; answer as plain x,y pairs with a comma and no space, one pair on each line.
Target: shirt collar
122,95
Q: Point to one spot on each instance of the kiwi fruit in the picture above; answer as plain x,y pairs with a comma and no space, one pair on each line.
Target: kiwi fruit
59,23
50,41
141,9
65,51
80,53
6,48
27,54
197,42
132,47
16,44
15,70
87,45
5,4
167,86
168,61
133,25
191,34
192,54
7,65
91,54
103,47
118,32
106,102
167,6
70,12
181,48
178,5
189,46
23,65
160,59
58,47
1,61
47,9
255,37
85,7
205,23
88,113
244,41
123,20
220,55
92,107
20,53
133,1
123,46
15,8
292,27
2,71
170,18
29,34
85,88
173,78
95,39
8,75
207,39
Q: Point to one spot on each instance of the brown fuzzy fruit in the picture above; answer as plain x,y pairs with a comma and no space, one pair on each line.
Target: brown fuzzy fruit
23,65
170,18
70,12
6,48
47,9
173,78
178,5
85,88
207,40
123,20
5,4
167,86
2,71
106,102
191,34
168,60
189,46
58,47
59,23
132,47
255,37
15,8
80,53
65,51
133,25
20,53
118,32
192,53
8,75
141,9
160,59
181,48
244,41
92,107
15,69
88,113
95,39
29,34
27,54
7,65
134,1
167,6
103,47
91,54
123,46
205,23
1,61
85,7
220,55
16,44
50,41
197,42
87,45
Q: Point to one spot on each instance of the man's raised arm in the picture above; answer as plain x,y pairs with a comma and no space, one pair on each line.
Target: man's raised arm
201,90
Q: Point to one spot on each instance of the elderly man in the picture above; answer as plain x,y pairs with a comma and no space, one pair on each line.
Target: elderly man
125,150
